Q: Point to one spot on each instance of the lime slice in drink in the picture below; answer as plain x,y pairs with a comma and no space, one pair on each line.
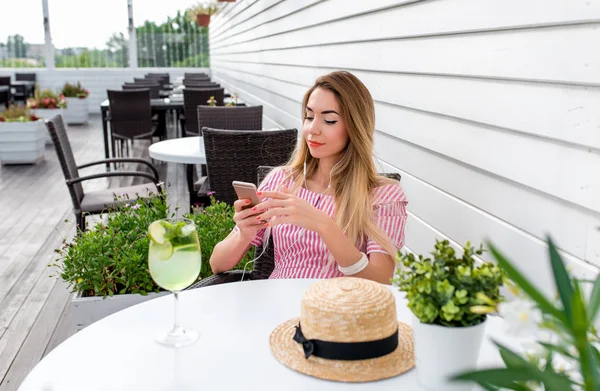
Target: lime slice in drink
157,232
187,247
163,251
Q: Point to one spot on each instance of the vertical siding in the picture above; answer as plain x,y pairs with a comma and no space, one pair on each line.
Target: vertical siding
492,116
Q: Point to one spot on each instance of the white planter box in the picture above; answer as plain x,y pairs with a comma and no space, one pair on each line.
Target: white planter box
47,114
22,142
76,112
87,310
442,352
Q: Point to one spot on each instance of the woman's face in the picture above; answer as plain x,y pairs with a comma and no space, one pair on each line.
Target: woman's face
323,127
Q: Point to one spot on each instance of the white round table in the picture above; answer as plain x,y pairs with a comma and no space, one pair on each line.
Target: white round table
188,150
233,353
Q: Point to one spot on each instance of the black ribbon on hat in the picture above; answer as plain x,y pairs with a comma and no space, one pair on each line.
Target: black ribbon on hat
346,350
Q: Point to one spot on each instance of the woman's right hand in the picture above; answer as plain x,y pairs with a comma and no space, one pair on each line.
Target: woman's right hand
245,219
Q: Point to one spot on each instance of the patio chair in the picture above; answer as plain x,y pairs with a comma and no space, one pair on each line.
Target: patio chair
5,95
154,88
96,202
192,98
130,117
201,75
235,155
264,265
25,77
200,83
229,118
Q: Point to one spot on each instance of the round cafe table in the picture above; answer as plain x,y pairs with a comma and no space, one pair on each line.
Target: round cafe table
188,150
234,321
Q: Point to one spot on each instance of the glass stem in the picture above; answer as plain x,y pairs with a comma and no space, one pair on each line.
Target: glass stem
176,327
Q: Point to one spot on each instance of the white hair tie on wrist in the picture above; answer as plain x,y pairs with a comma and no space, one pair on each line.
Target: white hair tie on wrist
357,267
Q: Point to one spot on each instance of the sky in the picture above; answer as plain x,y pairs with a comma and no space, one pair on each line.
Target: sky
80,23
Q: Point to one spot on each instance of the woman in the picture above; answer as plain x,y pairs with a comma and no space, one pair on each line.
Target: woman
328,211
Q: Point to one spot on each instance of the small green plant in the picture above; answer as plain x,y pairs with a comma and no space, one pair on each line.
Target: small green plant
566,355
112,258
233,101
75,91
212,102
17,114
201,8
448,290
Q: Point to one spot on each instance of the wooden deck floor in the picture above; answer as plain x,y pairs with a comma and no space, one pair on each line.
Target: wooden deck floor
36,216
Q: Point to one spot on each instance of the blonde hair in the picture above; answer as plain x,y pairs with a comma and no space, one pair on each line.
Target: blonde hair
355,175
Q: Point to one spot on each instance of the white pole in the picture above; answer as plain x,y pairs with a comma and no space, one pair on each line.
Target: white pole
133,61
49,47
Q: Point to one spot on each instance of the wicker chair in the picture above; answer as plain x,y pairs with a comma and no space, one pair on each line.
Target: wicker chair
192,98
235,155
230,118
265,263
5,96
200,84
200,75
95,202
130,116
154,88
25,77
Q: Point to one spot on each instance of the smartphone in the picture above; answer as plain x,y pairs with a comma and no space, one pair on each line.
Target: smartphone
246,190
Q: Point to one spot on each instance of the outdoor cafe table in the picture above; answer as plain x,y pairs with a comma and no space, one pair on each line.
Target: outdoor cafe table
158,105
234,321
187,150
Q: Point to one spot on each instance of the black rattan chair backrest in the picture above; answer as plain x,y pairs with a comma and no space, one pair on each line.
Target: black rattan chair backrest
231,118
130,113
194,97
62,146
235,155
153,88
25,77
4,80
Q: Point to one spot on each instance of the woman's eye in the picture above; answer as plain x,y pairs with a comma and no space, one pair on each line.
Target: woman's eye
330,122
309,118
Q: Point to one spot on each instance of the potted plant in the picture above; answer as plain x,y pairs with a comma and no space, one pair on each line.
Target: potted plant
212,102
232,101
77,104
22,136
107,265
566,353
46,104
201,12
449,296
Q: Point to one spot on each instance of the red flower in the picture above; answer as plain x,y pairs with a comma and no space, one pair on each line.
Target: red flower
33,117
2,119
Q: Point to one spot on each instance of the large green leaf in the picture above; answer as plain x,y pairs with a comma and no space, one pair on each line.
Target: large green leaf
562,279
526,286
506,377
594,305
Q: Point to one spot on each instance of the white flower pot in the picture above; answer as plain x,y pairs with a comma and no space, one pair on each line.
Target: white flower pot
47,114
442,352
87,310
22,142
76,112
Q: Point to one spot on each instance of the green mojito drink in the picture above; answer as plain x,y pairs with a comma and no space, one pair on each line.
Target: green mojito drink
174,261
174,257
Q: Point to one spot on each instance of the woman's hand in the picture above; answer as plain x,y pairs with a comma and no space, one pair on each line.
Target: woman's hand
246,220
286,208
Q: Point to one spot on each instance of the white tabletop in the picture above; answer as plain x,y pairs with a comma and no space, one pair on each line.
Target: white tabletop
189,150
233,353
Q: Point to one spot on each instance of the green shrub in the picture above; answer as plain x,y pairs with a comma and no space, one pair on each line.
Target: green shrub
112,258
74,91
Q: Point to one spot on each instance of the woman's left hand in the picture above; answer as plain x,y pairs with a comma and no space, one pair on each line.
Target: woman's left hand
287,208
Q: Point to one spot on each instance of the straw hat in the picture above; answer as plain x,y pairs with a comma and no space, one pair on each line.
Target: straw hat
336,314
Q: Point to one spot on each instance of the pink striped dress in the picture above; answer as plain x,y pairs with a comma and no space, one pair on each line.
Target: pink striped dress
301,253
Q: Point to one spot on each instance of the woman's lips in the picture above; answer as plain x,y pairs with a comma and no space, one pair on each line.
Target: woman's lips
314,144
